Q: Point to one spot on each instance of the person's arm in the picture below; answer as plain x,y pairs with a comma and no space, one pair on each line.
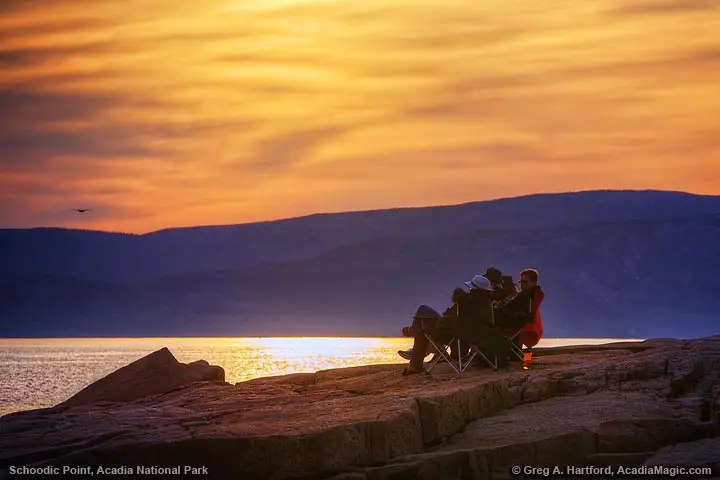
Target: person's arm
499,295
519,306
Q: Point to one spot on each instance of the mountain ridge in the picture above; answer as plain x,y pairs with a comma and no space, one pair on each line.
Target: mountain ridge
107,256
529,197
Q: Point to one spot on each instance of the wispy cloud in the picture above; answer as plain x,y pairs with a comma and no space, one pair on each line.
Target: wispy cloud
668,7
158,113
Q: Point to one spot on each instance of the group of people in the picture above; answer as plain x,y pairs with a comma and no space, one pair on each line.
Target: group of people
481,316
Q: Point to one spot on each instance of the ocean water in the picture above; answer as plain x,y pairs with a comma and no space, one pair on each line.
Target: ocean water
38,373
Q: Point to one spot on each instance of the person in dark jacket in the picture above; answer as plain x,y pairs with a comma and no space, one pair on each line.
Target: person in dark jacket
470,318
482,332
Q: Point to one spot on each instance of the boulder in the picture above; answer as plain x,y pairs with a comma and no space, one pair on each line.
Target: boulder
156,373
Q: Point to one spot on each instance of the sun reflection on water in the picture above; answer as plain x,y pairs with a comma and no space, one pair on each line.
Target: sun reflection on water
257,357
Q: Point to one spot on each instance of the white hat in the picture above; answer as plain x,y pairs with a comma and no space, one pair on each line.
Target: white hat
478,281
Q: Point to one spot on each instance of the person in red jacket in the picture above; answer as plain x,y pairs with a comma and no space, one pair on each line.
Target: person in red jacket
522,311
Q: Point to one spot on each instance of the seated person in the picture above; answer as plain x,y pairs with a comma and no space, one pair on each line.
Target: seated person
518,312
429,314
469,318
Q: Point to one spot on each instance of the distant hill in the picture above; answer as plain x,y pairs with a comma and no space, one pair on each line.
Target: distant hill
613,263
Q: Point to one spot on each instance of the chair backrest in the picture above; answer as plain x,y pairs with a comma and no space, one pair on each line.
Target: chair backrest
536,302
536,323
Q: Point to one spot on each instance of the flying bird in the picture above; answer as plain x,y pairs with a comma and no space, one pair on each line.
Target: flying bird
82,210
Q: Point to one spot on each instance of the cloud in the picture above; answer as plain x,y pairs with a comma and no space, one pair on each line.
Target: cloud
697,58
665,7
33,29
36,148
10,6
483,163
290,148
32,132
19,57
19,106
22,140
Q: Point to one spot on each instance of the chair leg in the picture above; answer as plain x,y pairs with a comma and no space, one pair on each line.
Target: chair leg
458,367
493,365
459,353
433,362
470,359
461,366
442,355
517,352
514,348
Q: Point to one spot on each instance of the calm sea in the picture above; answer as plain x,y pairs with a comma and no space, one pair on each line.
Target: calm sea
37,373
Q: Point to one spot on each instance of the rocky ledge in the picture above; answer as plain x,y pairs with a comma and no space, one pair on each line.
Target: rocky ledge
629,404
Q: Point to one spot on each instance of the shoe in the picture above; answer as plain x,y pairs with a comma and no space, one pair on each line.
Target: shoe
405,354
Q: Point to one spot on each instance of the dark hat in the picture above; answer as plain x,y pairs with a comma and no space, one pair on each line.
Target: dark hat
493,274
425,311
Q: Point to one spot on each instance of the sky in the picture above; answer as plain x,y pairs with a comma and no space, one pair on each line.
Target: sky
159,114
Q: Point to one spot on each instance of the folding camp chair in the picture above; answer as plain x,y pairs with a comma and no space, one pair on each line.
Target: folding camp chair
516,347
459,365
462,363
514,335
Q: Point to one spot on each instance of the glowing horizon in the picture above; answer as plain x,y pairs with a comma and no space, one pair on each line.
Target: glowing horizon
157,114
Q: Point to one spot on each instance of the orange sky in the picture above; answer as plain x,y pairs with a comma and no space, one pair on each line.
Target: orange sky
157,113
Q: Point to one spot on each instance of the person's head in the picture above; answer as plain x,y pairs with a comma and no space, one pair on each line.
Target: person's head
458,295
424,312
529,279
480,282
493,274
508,284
